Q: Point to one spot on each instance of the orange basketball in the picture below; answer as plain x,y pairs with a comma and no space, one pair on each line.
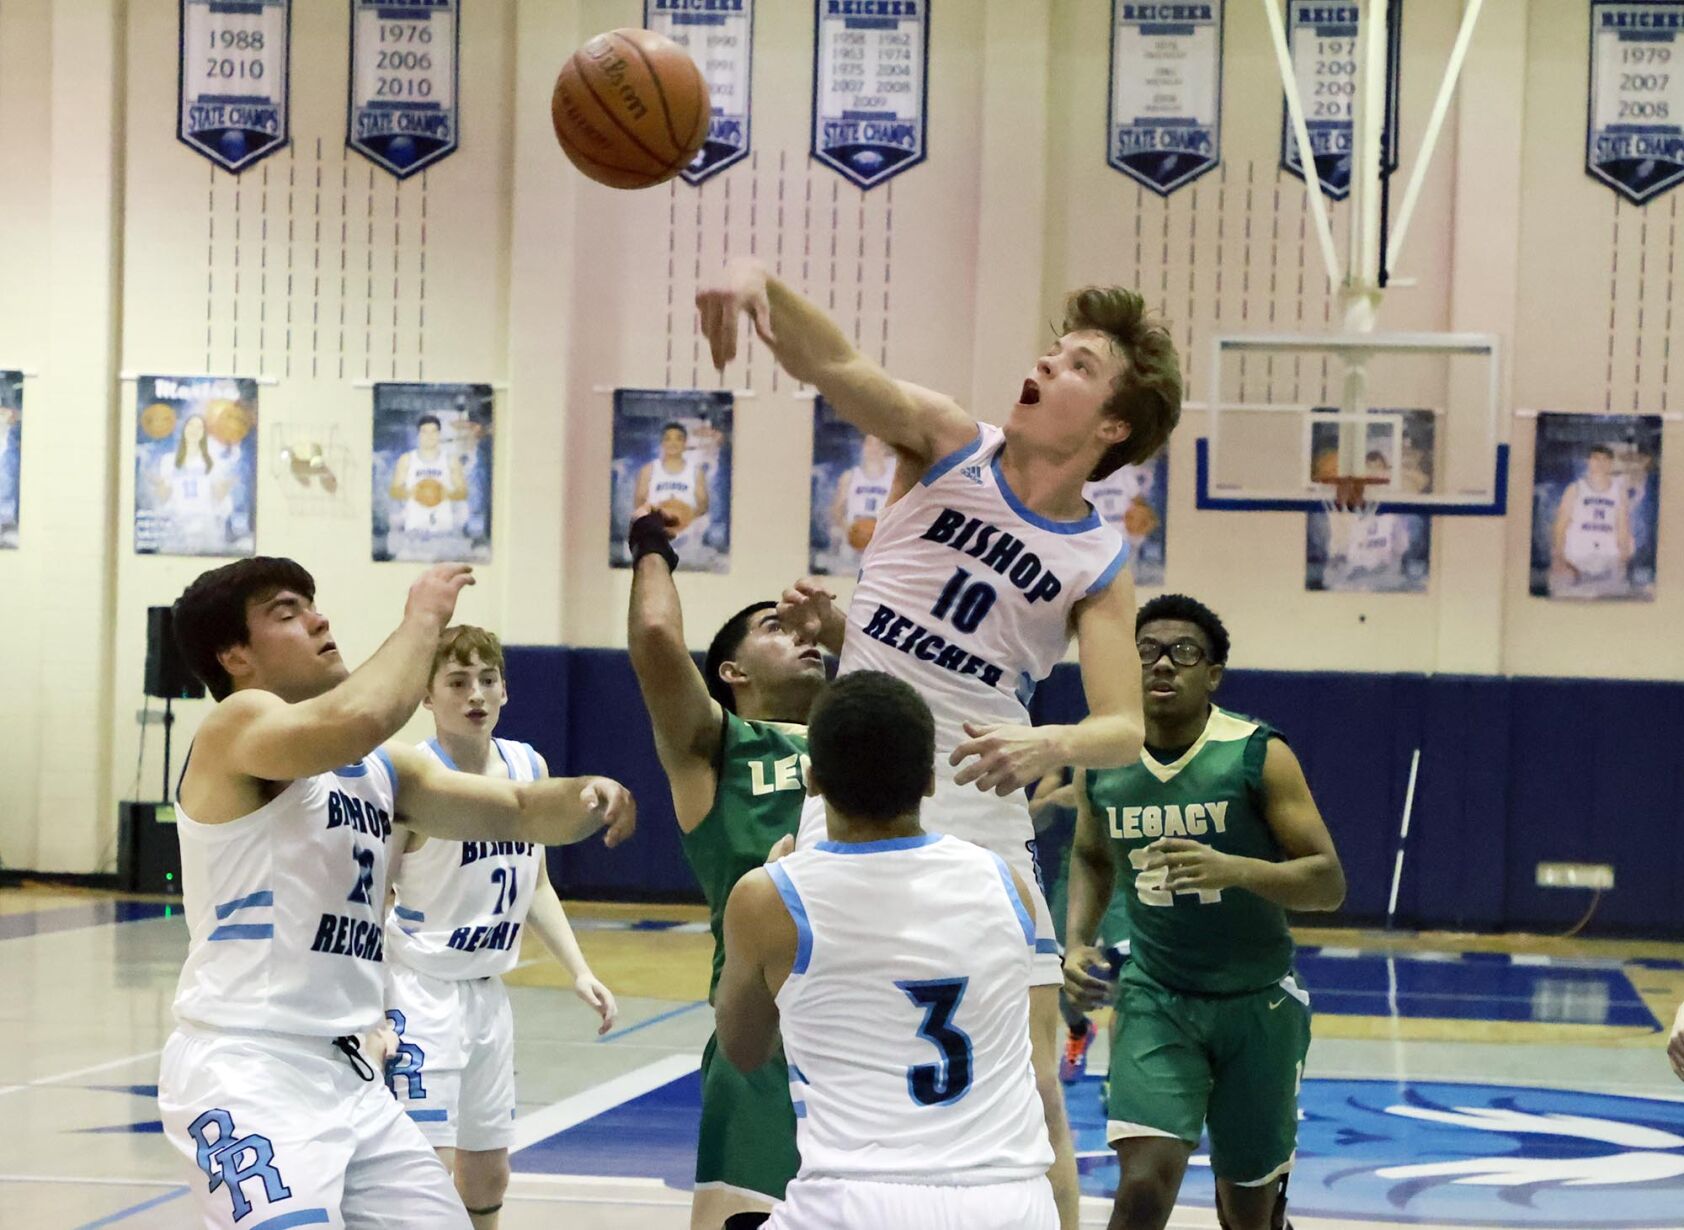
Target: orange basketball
228,421
1138,518
630,108
680,512
429,493
158,420
860,531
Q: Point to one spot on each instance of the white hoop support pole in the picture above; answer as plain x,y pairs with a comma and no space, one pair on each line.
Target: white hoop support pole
1403,836
1435,123
1301,133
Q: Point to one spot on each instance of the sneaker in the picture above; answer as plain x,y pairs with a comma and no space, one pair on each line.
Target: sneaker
1074,1065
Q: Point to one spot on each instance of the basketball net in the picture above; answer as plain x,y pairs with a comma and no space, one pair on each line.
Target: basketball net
1346,499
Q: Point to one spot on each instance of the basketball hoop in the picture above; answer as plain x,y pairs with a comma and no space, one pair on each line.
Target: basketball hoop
1349,494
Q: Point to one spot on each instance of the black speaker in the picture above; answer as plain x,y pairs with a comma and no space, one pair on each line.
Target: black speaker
167,673
148,850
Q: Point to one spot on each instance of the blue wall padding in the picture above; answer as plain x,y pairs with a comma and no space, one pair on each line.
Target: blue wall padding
1513,772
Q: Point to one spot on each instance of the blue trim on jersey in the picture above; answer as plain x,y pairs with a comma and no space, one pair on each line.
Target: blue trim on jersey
1089,522
878,847
1043,946
403,911
1023,919
537,768
502,746
946,463
391,770
796,1074
243,931
351,770
444,756
265,897
798,913
1111,570
800,1109
429,1116
298,1217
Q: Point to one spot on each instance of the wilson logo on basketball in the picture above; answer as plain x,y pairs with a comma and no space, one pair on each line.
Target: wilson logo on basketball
613,67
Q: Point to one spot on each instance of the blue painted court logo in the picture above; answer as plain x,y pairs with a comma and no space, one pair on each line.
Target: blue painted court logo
1454,1154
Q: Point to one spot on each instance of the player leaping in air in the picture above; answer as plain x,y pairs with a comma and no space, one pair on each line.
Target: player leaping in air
984,562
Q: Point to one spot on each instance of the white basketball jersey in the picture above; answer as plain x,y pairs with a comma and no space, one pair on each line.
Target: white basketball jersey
461,904
1592,541
1373,546
284,908
190,487
905,1018
1112,495
868,493
418,517
967,594
665,485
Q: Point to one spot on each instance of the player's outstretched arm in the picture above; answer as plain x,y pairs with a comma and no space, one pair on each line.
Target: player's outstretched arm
1309,876
687,721
256,734
1093,877
810,347
549,920
557,811
759,939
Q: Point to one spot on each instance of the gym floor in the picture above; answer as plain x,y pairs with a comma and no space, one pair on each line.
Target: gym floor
1454,1080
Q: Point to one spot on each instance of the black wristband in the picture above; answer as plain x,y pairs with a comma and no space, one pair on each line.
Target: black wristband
648,536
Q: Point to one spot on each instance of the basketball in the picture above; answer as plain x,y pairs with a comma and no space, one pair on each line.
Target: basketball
860,531
680,512
1138,519
227,421
158,420
630,108
429,493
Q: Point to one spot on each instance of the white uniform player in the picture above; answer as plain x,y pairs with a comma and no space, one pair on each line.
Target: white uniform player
1592,541
684,486
419,518
864,494
907,1034
455,927
967,594
1371,555
1112,495
192,502
259,1087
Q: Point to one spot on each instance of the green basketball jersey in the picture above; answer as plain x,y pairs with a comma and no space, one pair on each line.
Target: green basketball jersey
1214,943
762,771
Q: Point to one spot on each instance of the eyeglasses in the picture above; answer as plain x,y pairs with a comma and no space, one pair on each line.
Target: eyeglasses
1185,652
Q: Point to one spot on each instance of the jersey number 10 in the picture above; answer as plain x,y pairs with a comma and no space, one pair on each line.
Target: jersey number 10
963,603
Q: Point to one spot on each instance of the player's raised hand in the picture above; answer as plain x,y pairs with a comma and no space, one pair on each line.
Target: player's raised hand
600,998
741,289
807,609
1007,758
433,596
782,846
613,805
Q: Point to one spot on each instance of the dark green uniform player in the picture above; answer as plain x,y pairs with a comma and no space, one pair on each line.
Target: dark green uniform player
747,1136
732,740
1210,837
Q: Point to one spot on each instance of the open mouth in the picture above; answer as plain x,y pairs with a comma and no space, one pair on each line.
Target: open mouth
326,649
1031,394
476,715
812,655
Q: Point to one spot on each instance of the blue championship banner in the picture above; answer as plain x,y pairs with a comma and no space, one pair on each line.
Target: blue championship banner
870,87
1635,139
403,82
232,79
1165,126
719,35
11,437
1323,38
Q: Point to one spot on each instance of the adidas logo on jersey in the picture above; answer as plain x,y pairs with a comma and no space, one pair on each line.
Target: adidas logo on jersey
973,472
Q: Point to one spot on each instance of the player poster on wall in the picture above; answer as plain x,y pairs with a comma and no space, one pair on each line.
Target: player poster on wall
870,96
195,465
851,477
1374,552
432,472
672,449
1596,481
233,103
1135,499
1165,127
11,442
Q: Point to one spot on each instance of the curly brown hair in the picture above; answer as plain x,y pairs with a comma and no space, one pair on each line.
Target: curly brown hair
1147,396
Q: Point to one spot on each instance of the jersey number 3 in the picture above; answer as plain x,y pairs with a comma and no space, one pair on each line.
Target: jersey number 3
949,1079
